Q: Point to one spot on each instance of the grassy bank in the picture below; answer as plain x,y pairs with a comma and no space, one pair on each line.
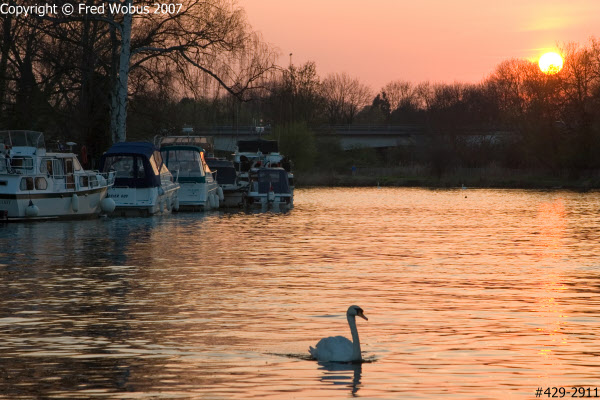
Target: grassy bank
417,176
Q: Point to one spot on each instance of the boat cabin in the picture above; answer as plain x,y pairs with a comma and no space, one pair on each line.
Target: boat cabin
136,164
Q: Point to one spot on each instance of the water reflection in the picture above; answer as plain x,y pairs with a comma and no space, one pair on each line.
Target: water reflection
332,374
468,297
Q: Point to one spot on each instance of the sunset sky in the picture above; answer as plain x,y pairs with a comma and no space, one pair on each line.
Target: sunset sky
416,40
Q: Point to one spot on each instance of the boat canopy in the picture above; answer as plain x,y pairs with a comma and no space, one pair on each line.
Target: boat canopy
137,164
22,138
226,173
254,146
187,160
273,178
204,142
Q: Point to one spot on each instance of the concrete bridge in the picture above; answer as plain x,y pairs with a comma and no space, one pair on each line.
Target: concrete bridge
350,136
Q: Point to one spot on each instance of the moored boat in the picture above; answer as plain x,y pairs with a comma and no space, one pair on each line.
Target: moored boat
233,191
252,155
199,188
269,190
143,183
36,184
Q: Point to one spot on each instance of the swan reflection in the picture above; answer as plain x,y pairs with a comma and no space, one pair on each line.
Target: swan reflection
343,374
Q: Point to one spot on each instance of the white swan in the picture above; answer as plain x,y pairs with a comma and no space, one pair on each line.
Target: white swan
338,348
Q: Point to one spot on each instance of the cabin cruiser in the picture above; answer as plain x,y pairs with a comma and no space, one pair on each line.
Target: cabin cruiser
269,189
143,183
36,184
251,155
233,191
199,188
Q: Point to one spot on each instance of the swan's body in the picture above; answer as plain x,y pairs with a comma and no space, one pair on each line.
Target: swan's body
338,348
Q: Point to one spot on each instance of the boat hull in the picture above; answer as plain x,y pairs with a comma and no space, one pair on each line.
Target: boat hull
144,201
198,196
66,205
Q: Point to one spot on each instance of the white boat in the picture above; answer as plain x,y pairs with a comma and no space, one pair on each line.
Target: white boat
269,190
251,155
143,183
199,188
36,184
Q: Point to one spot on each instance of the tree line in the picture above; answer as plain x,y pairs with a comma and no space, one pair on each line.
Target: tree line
96,79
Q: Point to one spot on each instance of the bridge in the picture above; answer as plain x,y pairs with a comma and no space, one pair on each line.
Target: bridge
350,136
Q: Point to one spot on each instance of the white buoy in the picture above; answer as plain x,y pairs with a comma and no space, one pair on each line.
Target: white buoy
220,193
107,205
32,210
176,203
161,205
75,202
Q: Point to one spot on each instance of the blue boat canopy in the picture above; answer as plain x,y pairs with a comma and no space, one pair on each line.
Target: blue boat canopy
137,164
145,148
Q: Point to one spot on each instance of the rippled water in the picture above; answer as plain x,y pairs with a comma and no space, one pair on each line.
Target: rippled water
470,294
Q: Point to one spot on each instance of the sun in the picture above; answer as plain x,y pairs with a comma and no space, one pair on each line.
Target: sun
551,63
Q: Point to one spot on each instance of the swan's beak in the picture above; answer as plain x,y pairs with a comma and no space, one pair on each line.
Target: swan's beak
360,314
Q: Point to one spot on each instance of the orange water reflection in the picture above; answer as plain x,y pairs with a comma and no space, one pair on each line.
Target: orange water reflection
485,296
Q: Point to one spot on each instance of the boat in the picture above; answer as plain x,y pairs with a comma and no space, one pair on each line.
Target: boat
251,155
233,191
185,157
269,190
143,183
36,184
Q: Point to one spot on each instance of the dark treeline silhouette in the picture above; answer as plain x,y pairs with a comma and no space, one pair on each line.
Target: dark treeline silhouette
205,67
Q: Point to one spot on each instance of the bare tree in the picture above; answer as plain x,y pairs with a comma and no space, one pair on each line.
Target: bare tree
400,94
344,97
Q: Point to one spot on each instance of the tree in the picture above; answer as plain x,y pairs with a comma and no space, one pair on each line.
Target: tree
212,36
344,97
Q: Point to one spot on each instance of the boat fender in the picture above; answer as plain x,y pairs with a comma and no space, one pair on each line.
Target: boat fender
162,206
107,205
217,202
220,192
176,204
211,201
32,210
169,204
75,202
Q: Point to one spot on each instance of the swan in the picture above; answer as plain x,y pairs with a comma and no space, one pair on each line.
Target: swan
338,348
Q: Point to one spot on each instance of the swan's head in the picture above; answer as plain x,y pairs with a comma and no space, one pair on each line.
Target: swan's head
354,311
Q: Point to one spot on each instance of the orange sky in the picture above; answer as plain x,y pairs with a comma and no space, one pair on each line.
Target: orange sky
380,41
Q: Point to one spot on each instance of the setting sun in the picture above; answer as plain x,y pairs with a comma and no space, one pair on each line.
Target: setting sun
551,63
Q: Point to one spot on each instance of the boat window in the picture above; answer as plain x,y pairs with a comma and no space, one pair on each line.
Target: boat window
140,171
26,183
84,181
52,167
41,183
184,161
122,165
22,162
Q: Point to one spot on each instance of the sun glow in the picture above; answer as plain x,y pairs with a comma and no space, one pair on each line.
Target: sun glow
551,63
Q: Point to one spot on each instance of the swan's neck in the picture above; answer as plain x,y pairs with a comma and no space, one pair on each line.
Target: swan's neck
356,353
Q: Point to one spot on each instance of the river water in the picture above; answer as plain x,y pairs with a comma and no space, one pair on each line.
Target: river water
470,294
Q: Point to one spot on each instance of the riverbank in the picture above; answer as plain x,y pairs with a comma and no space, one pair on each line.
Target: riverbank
417,176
